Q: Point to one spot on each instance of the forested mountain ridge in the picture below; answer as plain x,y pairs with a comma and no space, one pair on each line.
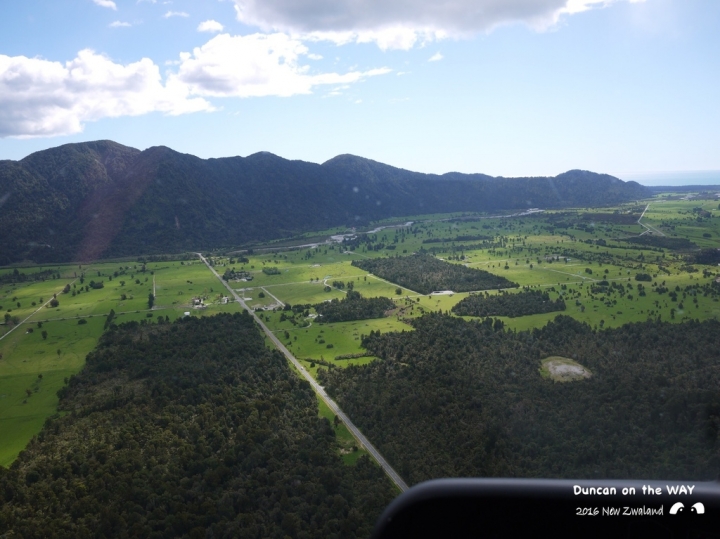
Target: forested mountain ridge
190,429
99,199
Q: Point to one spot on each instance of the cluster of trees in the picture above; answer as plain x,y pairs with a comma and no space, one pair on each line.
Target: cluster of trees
233,274
662,242
341,285
467,237
426,274
353,307
190,429
16,276
452,249
616,218
505,304
462,399
707,256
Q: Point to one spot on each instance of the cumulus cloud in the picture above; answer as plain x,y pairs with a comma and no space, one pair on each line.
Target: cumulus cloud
435,57
399,24
210,26
119,24
106,3
256,65
41,98
175,14
578,6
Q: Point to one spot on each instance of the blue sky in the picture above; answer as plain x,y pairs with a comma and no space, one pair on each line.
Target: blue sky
530,87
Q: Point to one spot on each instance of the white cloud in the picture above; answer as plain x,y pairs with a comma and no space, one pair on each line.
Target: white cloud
578,6
435,57
106,3
40,98
399,24
210,26
119,24
338,90
175,14
256,65
312,56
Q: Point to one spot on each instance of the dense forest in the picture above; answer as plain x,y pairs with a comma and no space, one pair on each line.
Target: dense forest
465,237
191,429
506,304
707,256
457,398
426,274
353,307
662,242
102,199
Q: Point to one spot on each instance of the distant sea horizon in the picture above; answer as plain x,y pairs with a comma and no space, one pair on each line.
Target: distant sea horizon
677,178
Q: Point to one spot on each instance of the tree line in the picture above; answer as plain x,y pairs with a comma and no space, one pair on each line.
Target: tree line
353,307
507,304
426,274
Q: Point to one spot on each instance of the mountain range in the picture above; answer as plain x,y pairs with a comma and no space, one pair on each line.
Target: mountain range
85,201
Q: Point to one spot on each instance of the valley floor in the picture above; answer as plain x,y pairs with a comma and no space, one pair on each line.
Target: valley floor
586,257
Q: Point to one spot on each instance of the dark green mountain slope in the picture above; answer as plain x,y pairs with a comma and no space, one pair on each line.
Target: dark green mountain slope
100,199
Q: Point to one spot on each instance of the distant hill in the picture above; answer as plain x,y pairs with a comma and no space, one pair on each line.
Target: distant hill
101,199
684,189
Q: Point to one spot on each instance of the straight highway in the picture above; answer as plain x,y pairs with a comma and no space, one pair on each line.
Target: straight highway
359,436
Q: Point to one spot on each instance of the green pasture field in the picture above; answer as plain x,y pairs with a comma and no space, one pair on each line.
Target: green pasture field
377,287
27,355
312,367
677,218
519,242
253,299
178,282
344,336
29,296
346,441
303,293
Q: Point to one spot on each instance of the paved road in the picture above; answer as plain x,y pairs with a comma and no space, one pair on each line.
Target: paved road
273,297
33,313
649,228
359,436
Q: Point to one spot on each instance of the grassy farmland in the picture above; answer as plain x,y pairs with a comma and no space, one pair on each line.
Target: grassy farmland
586,256
49,344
